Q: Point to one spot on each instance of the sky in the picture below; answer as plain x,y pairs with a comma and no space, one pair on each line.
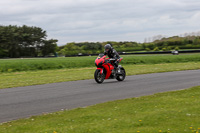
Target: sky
103,20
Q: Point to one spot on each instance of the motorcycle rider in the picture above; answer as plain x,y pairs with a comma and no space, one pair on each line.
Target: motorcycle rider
112,53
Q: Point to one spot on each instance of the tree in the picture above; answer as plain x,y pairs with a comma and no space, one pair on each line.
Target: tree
156,49
72,49
16,41
196,41
49,47
164,49
176,48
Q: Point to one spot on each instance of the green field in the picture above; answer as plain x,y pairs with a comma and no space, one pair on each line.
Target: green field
169,112
16,65
16,72
17,79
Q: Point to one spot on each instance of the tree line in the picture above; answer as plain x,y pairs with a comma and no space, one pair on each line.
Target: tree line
95,47
175,42
25,41
162,44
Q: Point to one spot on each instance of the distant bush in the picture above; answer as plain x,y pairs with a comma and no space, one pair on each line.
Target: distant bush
148,49
164,49
176,48
156,49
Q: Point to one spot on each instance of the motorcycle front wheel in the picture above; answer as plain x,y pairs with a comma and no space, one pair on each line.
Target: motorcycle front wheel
99,78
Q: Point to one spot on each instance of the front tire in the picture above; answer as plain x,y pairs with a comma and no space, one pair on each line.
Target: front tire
121,76
99,78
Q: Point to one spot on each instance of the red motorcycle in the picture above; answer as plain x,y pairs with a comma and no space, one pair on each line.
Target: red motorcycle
105,69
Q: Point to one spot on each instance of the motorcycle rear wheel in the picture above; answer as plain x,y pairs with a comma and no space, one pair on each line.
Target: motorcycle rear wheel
99,78
121,76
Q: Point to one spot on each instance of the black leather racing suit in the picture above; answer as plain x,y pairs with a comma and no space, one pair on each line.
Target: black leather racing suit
114,55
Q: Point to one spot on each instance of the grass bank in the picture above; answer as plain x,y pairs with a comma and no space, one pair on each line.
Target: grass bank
16,65
170,112
16,79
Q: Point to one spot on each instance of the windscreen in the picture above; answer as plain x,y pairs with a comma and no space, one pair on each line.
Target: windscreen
100,55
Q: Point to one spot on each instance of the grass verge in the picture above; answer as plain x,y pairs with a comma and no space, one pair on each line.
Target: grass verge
17,79
16,65
169,112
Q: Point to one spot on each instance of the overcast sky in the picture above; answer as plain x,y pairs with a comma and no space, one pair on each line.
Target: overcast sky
103,20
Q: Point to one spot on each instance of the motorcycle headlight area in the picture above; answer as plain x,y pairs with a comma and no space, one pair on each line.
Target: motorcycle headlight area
100,64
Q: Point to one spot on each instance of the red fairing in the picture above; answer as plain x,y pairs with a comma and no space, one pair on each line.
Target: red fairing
101,70
99,60
109,69
100,63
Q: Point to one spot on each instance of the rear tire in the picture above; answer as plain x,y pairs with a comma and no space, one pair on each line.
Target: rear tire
121,76
99,78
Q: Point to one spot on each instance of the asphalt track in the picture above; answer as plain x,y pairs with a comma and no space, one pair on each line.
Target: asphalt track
27,101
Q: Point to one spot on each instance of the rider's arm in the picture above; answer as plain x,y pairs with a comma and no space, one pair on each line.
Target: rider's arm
116,55
105,53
